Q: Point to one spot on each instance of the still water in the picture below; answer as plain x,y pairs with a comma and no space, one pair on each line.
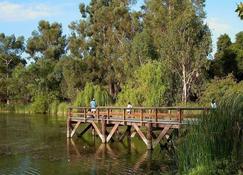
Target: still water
37,144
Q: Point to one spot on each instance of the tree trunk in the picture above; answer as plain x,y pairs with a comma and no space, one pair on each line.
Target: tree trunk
112,89
184,90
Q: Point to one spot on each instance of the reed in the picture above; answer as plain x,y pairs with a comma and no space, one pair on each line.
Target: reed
212,145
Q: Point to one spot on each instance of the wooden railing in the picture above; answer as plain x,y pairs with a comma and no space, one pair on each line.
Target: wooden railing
142,114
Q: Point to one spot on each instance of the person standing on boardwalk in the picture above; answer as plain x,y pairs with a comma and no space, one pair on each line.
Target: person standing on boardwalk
129,108
93,105
213,104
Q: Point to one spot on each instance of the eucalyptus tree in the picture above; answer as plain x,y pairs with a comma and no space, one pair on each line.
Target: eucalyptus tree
102,38
48,42
181,38
188,44
11,49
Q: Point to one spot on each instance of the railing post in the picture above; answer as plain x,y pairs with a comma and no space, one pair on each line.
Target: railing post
98,114
85,114
108,115
141,116
156,115
124,116
180,115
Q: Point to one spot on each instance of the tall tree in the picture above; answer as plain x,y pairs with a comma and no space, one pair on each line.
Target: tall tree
104,34
224,59
47,42
11,49
187,43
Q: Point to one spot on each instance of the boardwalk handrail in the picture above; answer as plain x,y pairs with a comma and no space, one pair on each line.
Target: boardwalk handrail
141,113
146,108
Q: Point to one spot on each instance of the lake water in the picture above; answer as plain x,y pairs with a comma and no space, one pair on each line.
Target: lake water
37,144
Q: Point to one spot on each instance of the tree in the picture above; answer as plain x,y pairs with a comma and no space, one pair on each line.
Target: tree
218,88
228,58
11,49
187,43
239,10
147,87
47,42
103,36
224,59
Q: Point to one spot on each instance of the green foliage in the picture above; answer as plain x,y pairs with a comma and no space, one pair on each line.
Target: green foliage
228,58
53,107
239,10
92,91
147,87
48,42
215,141
219,88
62,108
41,103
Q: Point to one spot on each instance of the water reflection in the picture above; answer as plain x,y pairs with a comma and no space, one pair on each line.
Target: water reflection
114,157
38,145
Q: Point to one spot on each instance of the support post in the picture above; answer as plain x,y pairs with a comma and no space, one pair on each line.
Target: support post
149,136
85,115
69,122
103,130
68,128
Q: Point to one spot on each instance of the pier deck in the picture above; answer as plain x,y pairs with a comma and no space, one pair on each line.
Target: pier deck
151,124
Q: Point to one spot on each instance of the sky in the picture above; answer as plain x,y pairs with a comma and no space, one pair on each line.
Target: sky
21,17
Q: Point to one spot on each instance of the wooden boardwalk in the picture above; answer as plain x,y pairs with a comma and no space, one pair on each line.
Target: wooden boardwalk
151,124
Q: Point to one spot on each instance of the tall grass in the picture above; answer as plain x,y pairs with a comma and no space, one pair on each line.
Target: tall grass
212,145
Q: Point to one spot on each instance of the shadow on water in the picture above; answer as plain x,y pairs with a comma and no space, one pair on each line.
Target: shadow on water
31,144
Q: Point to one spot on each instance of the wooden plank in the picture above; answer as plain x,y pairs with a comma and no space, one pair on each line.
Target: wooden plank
112,132
161,135
98,131
140,133
85,129
75,128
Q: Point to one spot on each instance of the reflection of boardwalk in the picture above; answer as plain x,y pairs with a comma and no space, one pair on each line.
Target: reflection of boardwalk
104,154
145,121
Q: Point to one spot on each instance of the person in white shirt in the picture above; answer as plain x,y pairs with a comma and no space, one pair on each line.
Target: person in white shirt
213,104
129,108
